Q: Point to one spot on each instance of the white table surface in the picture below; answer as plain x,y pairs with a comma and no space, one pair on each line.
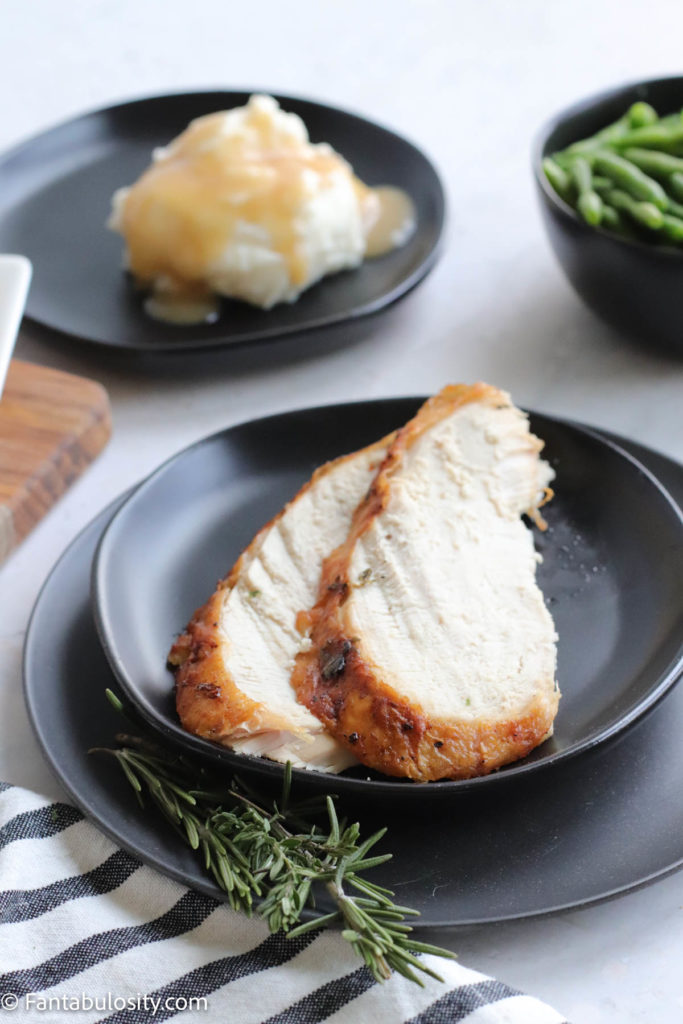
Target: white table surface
469,82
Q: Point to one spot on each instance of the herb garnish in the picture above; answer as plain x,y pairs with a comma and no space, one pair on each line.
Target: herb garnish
269,856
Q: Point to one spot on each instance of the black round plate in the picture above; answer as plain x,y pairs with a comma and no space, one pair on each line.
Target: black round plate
612,573
589,829
55,194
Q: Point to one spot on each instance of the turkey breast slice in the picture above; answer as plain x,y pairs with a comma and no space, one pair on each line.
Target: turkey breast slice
432,652
234,661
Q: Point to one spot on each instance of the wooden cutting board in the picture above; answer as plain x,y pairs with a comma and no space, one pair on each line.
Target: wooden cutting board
52,425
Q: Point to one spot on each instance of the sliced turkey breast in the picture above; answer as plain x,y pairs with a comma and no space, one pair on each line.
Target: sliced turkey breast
234,661
432,653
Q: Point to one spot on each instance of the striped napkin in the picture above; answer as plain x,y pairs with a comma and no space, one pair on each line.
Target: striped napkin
86,930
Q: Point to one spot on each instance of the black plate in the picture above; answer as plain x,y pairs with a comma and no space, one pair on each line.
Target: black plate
589,829
55,193
612,573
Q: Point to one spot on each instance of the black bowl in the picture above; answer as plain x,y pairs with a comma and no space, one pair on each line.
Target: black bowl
634,286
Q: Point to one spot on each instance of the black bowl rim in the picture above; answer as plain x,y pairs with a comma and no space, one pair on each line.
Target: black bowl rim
385,786
582,106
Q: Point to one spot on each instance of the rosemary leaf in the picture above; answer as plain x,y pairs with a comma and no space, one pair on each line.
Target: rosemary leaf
334,822
275,854
317,922
370,862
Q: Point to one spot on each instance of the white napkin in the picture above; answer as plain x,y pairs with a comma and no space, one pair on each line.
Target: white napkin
89,934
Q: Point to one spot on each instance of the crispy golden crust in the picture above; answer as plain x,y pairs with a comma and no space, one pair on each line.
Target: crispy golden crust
208,701
383,729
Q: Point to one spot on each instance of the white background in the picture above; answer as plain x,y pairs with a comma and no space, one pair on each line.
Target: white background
470,82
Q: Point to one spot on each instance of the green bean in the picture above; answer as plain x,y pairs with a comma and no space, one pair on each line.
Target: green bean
628,175
653,161
647,214
652,136
605,136
590,206
675,184
672,227
562,160
613,221
602,184
611,218
674,208
630,178
640,114
666,166
589,203
557,177
672,119
582,174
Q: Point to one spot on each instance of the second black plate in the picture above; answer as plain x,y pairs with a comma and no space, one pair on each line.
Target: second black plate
55,196
612,573
584,831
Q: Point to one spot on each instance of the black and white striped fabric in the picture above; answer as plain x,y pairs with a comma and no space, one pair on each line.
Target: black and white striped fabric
87,930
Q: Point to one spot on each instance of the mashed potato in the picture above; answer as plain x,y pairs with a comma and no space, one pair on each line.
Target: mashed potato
242,204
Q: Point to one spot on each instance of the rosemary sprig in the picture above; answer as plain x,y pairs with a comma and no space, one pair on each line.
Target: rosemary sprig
270,856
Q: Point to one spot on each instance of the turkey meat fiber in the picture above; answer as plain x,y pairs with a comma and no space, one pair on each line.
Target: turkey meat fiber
234,661
389,614
432,653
